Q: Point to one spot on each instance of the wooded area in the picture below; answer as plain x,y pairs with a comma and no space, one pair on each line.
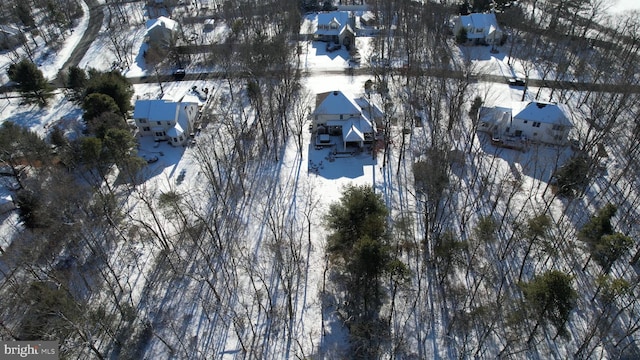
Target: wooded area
448,254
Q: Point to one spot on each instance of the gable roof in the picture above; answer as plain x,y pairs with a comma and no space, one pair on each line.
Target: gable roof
351,132
155,110
546,112
336,103
339,18
162,22
485,21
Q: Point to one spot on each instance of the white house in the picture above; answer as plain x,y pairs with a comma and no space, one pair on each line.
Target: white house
352,119
166,120
161,33
537,122
481,28
337,27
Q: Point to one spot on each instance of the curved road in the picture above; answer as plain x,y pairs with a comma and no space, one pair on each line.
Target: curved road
96,17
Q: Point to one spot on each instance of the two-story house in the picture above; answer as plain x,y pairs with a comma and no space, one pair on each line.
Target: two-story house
165,120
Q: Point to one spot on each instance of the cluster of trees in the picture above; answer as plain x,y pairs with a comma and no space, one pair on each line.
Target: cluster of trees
49,19
605,245
360,255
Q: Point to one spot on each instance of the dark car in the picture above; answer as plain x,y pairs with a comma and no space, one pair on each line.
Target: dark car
179,74
516,82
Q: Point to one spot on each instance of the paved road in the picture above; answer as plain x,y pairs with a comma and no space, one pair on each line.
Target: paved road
579,86
96,17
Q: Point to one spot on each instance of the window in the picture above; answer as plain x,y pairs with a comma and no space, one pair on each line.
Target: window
146,128
535,134
142,121
175,140
168,123
526,121
536,124
557,127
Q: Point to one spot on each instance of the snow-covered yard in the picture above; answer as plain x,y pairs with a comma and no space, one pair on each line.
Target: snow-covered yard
223,247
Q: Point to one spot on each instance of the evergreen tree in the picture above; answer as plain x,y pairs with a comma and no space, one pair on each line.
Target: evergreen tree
550,298
461,35
610,248
113,84
31,83
572,176
97,104
76,81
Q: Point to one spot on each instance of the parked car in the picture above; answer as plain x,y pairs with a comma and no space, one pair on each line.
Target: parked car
516,82
179,74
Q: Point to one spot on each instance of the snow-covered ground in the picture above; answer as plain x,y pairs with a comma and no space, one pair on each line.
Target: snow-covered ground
619,6
207,326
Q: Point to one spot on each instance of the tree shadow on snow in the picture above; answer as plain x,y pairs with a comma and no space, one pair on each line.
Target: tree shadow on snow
324,162
538,161
320,48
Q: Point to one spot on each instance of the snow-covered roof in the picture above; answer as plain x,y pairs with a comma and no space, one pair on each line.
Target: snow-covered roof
545,112
494,115
369,110
487,22
155,110
340,19
188,98
336,103
350,132
162,21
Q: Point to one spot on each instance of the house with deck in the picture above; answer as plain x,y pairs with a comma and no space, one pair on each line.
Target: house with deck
536,121
355,120
166,120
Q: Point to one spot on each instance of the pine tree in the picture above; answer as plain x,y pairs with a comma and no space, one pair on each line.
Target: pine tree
31,83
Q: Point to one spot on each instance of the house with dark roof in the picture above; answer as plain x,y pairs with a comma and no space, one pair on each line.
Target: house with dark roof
353,119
